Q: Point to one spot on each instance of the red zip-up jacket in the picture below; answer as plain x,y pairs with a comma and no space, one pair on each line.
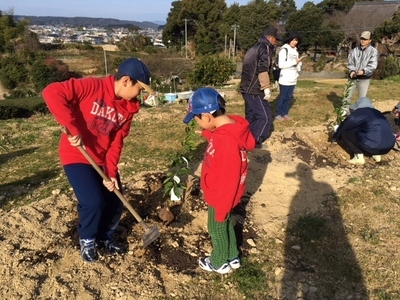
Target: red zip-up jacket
224,168
89,107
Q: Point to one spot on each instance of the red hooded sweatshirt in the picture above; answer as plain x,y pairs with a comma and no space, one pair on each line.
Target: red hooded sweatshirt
89,107
224,168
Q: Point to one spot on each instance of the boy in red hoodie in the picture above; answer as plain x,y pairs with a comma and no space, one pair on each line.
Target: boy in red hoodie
97,112
223,173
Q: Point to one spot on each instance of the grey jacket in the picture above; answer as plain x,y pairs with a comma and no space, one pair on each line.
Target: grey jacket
363,59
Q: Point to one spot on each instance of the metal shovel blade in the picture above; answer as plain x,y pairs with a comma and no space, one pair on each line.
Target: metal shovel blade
150,235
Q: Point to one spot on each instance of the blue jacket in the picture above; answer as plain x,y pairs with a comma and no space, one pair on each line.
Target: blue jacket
258,59
371,128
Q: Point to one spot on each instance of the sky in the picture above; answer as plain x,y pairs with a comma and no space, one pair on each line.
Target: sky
131,10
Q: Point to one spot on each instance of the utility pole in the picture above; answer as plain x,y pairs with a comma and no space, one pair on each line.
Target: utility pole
234,27
186,46
105,61
226,38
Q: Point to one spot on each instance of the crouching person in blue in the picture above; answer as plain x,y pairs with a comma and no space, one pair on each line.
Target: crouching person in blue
365,132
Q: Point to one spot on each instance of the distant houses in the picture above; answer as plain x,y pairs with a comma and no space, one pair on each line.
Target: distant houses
50,34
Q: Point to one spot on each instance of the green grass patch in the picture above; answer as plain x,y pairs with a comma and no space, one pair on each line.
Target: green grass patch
250,280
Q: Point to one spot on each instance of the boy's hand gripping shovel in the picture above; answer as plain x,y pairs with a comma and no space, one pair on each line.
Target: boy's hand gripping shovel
150,233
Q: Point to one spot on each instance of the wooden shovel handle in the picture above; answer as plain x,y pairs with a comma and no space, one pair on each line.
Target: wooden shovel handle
106,178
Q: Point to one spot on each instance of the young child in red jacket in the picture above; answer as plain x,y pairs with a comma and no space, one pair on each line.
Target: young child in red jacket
97,112
223,173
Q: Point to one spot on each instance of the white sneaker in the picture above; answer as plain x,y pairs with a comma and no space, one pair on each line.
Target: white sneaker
377,158
358,159
206,265
235,263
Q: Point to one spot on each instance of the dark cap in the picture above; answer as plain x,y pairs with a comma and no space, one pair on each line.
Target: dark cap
204,100
272,31
136,69
293,35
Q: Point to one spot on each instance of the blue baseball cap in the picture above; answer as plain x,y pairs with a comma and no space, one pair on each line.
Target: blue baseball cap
204,100
136,69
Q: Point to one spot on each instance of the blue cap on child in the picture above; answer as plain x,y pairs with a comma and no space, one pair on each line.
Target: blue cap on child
136,69
204,100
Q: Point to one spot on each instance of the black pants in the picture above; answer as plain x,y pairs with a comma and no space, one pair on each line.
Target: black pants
350,141
258,114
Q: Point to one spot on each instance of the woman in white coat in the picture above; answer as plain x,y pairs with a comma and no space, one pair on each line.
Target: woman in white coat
290,65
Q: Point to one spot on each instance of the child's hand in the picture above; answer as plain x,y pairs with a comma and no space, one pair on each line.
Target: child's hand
75,140
111,185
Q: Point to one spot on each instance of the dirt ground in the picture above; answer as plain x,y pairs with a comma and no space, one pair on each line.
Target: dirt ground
40,259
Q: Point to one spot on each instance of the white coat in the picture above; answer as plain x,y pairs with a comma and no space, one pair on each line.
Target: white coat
287,62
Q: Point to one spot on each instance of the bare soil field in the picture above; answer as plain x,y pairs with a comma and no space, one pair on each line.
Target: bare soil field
300,177
298,174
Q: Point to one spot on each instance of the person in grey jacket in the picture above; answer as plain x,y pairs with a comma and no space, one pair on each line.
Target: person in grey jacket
255,84
362,62
366,131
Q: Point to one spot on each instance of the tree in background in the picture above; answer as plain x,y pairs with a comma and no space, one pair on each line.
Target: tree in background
24,69
205,17
318,30
211,70
255,17
45,70
173,32
209,23
330,6
231,17
134,43
288,7
330,36
308,21
12,72
388,33
10,32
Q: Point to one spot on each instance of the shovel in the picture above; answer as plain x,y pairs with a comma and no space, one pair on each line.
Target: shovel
150,233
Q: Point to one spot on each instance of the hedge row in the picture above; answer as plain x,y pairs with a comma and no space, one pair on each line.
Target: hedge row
22,108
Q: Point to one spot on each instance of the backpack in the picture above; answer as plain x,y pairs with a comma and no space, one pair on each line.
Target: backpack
276,71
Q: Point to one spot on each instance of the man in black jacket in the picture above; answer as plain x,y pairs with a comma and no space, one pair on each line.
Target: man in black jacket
255,85
365,131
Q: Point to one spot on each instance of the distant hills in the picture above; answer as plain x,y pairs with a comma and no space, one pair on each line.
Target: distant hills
87,22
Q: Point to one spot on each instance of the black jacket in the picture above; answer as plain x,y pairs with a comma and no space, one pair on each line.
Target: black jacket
371,128
258,59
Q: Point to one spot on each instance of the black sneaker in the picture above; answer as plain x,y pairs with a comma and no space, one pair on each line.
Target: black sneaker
88,250
110,246
261,146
